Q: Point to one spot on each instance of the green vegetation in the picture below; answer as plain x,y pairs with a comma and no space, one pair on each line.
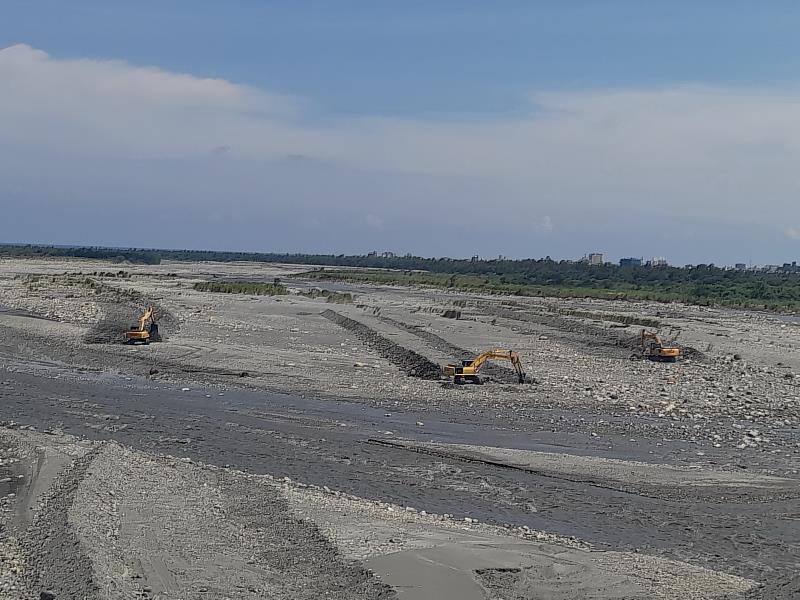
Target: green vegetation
704,286
131,255
269,289
241,287
332,297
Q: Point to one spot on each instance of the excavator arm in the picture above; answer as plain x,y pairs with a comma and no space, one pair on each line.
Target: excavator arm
647,335
141,333
148,314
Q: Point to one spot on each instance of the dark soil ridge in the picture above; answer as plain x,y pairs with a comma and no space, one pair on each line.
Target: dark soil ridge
296,548
55,560
599,336
413,364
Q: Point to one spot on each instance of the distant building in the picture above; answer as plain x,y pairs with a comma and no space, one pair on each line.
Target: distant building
595,258
740,267
387,254
657,261
790,267
373,253
630,262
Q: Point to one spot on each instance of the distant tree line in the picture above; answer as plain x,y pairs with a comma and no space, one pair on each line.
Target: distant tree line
701,284
705,287
131,255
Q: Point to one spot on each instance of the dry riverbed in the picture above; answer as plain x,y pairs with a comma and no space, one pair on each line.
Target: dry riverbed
291,448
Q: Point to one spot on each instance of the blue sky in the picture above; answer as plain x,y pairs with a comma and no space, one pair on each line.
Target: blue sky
565,116
422,57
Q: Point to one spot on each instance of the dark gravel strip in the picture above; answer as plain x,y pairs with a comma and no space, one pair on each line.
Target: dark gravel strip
55,560
409,361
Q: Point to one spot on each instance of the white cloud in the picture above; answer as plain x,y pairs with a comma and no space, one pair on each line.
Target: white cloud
374,222
695,151
792,233
115,108
543,225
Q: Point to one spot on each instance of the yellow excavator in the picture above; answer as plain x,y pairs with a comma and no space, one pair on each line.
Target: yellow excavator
654,348
467,371
145,331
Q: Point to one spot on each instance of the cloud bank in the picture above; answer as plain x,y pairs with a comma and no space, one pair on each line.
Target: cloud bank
685,166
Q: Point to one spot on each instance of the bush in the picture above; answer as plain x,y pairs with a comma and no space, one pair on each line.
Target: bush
241,287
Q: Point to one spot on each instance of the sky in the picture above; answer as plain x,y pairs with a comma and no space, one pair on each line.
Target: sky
439,128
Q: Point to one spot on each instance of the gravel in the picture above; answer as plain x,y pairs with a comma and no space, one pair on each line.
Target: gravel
407,360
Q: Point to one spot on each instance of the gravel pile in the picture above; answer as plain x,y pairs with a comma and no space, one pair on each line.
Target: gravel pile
120,315
412,363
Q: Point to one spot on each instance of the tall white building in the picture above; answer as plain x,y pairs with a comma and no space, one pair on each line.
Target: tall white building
595,258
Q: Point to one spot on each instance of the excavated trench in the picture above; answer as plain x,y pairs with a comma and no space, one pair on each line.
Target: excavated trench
587,335
413,364
494,371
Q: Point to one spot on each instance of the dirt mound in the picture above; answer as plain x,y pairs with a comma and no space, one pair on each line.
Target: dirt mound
414,365
118,317
693,353
634,343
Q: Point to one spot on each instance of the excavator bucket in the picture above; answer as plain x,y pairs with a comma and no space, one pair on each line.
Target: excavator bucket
155,336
